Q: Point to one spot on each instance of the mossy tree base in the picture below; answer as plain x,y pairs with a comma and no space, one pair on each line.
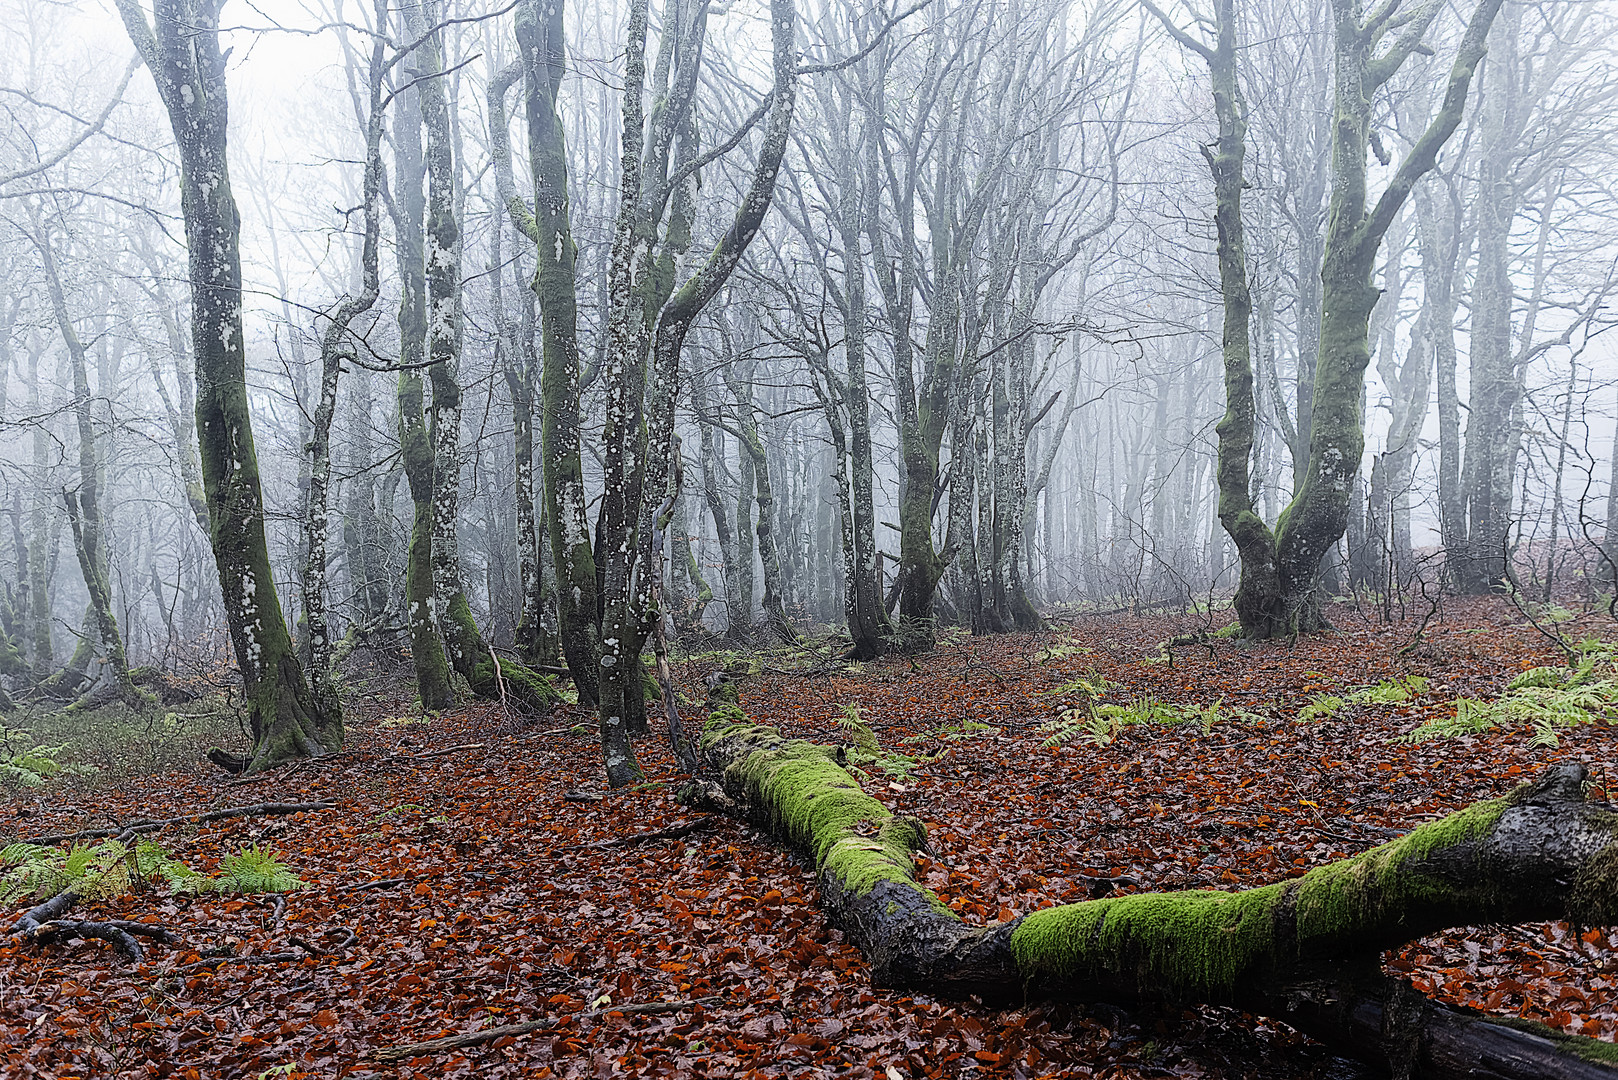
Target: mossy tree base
489,677
1305,950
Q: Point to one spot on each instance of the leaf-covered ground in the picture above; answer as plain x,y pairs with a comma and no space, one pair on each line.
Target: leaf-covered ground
478,895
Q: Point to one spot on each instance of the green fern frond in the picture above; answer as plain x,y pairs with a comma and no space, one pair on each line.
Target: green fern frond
254,870
1321,707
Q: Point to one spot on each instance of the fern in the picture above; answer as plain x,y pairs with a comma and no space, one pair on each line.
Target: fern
108,869
255,870
864,749
1101,724
853,722
1321,707
1093,685
1061,649
1099,730
1390,691
1547,699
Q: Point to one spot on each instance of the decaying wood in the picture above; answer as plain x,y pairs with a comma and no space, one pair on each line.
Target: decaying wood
1306,950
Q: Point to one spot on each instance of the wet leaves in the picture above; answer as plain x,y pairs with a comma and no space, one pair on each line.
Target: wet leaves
479,895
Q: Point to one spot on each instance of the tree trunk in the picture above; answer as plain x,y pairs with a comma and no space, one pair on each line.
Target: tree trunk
540,37
189,70
515,357
416,451
84,505
712,454
1318,514
336,347
741,385
1304,950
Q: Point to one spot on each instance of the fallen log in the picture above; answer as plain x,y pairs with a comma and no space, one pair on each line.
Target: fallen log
1306,950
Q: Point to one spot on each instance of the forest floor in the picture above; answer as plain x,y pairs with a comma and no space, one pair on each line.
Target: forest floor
479,895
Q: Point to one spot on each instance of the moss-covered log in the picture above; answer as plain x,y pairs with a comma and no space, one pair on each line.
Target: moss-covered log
1305,950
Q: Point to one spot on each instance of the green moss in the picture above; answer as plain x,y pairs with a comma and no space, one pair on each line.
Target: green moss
1597,1050
815,805
1189,943
1594,899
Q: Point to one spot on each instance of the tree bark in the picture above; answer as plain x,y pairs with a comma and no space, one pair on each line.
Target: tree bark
415,445
335,348
1318,514
181,48
1304,950
541,39
84,505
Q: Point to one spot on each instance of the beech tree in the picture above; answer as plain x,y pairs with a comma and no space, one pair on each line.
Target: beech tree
1278,593
180,47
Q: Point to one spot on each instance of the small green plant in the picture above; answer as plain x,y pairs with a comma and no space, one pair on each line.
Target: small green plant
1321,707
966,729
110,868
865,751
1390,691
1091,685
402,721
1061,649
1101,724
254,870
402,808
36,764
1547,699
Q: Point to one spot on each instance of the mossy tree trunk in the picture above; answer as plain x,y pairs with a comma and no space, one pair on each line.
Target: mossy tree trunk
516,359
181,48
1305,950
410,207
1258,603
541,39
465,648
1318,513
1278,592
867,618
740,379
659,174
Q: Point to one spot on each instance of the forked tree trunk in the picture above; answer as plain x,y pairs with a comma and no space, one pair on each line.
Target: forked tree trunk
84,505
1305,950
465,648
335,348
181,48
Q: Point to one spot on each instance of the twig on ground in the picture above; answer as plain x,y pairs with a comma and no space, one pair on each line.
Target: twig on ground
531,1027
673,832
134,828
444,751
279,902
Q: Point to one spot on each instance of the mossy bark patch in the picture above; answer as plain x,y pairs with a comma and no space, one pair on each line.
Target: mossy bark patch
1200,945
